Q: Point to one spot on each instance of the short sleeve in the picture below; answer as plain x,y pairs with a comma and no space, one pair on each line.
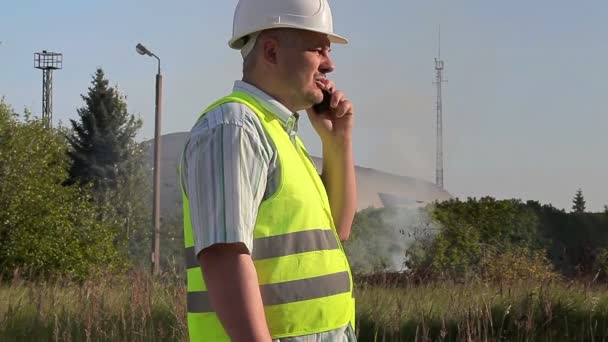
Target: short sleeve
226,162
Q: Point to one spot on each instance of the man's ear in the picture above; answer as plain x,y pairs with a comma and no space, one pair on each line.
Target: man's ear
270,47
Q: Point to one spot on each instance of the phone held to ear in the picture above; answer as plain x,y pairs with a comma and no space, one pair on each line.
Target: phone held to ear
323,106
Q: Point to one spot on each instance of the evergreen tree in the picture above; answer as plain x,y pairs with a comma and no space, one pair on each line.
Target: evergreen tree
106,157
103,138
578,203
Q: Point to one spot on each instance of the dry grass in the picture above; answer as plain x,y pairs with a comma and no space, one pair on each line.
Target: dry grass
135,308
484,312
129,308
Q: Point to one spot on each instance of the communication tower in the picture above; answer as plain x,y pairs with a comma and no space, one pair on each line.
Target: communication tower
439,66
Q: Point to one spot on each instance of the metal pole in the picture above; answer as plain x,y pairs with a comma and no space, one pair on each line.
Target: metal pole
47,97
156,205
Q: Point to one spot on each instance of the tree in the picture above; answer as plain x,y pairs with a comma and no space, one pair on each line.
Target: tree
106,157
498,222
103,138
46,227
578,203
470,229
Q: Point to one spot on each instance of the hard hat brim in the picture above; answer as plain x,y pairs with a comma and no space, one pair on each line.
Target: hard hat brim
238,42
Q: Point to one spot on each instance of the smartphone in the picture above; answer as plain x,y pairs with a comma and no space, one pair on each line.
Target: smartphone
323,106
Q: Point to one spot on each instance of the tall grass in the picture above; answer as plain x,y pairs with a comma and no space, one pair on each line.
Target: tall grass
128,308
483,312
136,308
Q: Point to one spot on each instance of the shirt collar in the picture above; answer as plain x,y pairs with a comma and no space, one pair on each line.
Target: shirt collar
288,120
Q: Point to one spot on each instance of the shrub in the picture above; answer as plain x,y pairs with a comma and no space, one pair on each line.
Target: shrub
46,227
516,264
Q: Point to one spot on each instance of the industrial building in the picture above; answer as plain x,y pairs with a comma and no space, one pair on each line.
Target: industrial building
375,188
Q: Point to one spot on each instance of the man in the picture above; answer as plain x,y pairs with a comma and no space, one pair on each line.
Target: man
262,229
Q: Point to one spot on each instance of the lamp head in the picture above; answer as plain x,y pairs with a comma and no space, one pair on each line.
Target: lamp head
142,50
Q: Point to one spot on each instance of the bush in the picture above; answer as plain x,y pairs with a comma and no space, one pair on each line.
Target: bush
517,264
468,228
46,227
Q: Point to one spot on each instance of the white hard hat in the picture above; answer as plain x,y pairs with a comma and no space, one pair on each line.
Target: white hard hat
252,16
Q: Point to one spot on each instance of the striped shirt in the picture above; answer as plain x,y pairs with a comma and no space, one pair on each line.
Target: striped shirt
229,167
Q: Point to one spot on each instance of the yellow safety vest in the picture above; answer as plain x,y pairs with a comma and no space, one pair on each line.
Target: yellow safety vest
304,276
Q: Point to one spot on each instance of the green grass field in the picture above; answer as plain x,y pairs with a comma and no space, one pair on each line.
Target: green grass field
134,308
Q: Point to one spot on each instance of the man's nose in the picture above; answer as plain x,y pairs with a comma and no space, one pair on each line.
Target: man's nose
327,65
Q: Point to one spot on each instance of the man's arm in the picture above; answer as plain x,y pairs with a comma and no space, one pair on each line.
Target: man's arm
234,291
339,180
335,127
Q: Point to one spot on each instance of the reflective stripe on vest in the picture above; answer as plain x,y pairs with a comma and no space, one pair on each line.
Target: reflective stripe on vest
284,293
283,245
304,277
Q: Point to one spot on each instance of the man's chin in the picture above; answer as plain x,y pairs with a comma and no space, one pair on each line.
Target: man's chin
315,100
317,97
311,99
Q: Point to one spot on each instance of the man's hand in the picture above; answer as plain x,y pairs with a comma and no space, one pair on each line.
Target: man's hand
234,291
335,125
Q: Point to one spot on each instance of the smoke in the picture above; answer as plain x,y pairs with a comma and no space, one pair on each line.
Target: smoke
382,236
407,226
400,121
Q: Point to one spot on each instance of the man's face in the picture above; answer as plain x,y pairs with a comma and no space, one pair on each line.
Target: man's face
303,63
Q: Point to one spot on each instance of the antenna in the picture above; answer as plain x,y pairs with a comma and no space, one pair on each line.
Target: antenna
439,66
439,44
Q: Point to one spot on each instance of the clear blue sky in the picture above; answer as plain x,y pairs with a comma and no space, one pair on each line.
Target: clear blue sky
524,108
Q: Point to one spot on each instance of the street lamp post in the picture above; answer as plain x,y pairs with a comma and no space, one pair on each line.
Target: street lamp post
156,202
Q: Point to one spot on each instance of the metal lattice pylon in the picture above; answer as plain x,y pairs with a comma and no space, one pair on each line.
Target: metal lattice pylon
439,65
47,62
